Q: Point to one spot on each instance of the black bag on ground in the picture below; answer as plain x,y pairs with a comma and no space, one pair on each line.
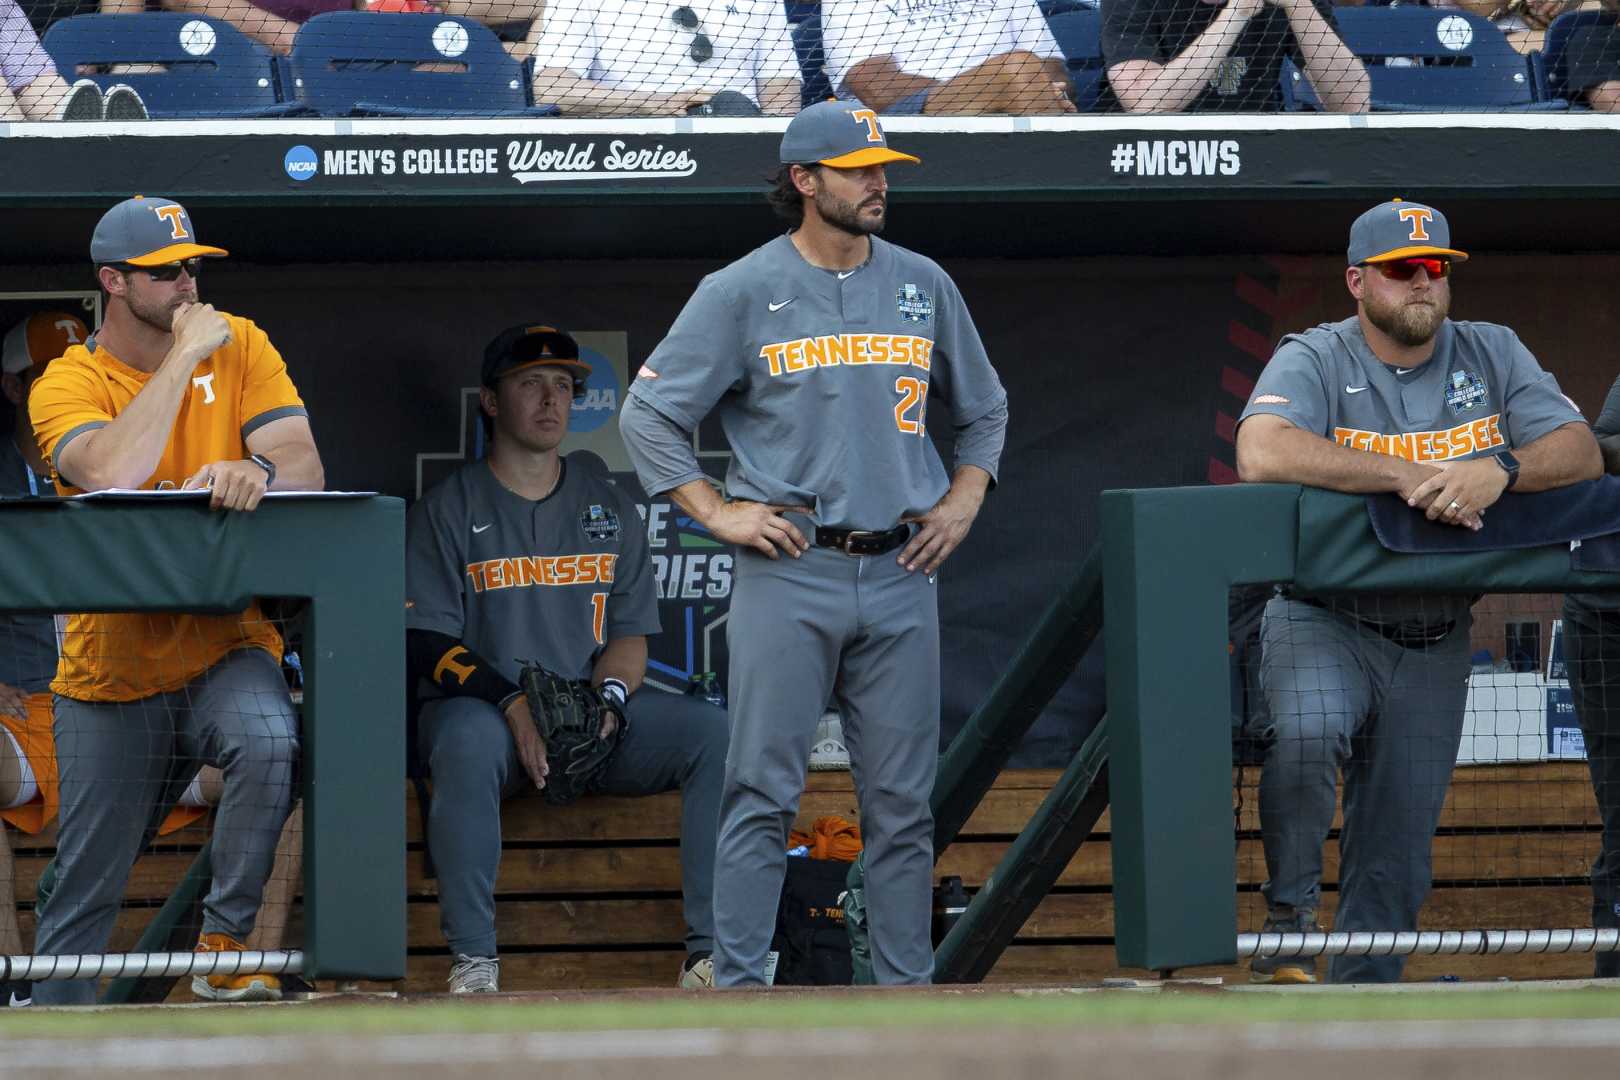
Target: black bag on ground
811,944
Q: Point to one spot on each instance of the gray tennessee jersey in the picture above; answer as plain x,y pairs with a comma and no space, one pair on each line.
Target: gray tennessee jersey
517,579
1479,393
823,380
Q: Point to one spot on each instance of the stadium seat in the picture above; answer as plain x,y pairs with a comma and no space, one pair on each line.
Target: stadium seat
357,63
1079,34
210,69
1425,59
804,22
1554,69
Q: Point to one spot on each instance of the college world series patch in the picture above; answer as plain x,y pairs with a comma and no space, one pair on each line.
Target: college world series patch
600,523
1465,391
913,303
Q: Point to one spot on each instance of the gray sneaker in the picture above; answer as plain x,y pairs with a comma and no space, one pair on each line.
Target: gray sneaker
123,103
1286,969
83,102
475,975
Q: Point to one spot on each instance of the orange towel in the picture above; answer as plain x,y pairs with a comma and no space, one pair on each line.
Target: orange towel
831,837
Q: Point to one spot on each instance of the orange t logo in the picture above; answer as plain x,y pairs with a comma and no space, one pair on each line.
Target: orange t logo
1417,217
176,219
447,663
869,118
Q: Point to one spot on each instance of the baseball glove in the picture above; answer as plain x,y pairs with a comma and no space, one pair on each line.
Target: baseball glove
568,715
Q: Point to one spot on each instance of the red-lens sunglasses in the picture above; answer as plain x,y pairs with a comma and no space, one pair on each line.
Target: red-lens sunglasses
1404,269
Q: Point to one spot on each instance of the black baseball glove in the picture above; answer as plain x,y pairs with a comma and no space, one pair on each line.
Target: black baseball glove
568,715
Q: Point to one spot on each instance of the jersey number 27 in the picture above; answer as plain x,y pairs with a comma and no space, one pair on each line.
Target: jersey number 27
913,392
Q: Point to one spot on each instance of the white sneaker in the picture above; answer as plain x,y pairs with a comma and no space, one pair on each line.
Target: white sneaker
83,102
828,753
698,972
475,975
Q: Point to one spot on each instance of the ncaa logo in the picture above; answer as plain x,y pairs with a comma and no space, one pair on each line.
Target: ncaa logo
301,163
600,402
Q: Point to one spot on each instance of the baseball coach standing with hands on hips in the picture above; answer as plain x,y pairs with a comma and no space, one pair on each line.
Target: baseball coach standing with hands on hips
821,350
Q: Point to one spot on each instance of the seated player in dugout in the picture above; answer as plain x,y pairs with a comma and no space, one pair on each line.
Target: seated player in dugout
1448,415
1226,55
530,555
946,59
168,393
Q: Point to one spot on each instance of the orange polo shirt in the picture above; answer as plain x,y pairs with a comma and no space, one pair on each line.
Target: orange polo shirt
237,389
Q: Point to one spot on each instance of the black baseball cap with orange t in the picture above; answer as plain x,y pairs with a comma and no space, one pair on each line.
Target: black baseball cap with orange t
533,345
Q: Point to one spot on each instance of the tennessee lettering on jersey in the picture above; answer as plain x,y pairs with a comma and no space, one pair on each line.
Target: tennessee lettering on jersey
831,350
1447,445
523,571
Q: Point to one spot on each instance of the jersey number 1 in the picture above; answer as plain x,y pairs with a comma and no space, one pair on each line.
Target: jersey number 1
598,614
912,392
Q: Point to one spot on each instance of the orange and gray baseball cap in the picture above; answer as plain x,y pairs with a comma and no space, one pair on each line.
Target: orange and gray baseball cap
39,339
1400,230
843,134
533,345
146,232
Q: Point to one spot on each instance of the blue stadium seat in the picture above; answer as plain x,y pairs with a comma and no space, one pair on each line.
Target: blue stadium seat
1554,69
1424,59
209,67
361,63
1079,34
804,22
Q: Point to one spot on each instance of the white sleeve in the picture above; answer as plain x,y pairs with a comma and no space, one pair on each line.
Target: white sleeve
773,53
1033,33
567,39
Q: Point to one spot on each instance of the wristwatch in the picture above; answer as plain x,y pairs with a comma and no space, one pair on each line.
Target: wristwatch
269,468
1510,465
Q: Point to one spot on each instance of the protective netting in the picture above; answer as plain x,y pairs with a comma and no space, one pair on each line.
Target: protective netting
67,59
149,789
1350,815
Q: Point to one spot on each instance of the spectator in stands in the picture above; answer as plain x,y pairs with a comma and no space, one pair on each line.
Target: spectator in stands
273,23
1448,415
1214,56
168,393
642,58
945,58
463,642
31,89
1592,59
1523,22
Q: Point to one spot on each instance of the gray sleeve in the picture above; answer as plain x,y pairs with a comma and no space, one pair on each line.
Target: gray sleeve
1533,404
1292,387
433,569
1608,421
980,442
698,360
658,449
972,388
633,602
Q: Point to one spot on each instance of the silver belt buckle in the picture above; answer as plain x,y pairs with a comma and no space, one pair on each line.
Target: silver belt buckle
849,542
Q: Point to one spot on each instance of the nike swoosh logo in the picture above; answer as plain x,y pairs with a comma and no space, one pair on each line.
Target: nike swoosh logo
842,274
1354,389
19,1003
481,528
783,304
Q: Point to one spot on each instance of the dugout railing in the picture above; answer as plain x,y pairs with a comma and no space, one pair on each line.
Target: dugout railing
346,557
1170,557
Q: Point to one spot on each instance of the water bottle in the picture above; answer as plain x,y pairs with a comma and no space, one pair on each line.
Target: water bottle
950,901
706,685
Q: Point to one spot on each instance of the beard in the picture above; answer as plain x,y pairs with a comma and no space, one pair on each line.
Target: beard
846,216
1410,323
159,317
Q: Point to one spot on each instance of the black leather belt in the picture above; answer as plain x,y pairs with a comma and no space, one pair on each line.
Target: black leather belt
861,541
1407,637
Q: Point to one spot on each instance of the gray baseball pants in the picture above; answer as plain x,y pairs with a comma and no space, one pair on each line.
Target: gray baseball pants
123,765
1344,697
865,632
673,742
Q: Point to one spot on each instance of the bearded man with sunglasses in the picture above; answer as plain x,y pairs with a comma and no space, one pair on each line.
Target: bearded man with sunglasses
168,393
1449,415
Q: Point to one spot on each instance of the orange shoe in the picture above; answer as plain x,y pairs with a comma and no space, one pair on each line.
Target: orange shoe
253,987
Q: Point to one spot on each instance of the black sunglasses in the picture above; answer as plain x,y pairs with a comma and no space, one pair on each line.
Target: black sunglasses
165,272
702,50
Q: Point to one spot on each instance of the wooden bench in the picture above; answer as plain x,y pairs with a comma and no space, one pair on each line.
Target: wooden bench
589,895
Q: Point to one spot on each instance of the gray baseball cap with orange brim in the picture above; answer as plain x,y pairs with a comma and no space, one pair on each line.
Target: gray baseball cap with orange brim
147,232
843,134
1400,230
